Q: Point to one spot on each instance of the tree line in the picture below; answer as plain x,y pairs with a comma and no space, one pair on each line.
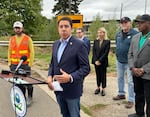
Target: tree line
38,26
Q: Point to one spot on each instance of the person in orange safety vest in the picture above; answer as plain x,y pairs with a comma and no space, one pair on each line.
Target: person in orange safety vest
21,45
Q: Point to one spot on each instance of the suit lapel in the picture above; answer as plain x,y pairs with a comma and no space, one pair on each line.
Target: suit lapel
97,43
57,46
100,47
137,44
56,49
69,44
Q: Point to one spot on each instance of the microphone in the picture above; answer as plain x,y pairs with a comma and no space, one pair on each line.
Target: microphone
22,59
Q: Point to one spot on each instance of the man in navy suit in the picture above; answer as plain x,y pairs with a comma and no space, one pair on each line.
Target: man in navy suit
69,65
80,35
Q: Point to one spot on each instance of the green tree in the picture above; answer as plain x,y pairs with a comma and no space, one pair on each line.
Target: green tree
49,30
112,28
65,7
134,24
95,25
27,11
3,27
53,30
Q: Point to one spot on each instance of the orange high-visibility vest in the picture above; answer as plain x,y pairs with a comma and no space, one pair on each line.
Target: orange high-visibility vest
17,51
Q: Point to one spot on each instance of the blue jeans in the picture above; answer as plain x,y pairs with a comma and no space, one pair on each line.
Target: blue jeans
69,107
123,68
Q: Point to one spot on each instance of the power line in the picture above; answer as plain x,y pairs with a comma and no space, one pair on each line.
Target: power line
135,3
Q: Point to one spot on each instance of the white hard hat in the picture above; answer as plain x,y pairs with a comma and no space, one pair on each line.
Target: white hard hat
18,24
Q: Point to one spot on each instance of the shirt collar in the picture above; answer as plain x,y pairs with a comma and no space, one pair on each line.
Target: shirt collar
130,31
145,36
61,40
81,38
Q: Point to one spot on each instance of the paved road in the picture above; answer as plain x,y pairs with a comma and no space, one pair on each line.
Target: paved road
44,101
43,105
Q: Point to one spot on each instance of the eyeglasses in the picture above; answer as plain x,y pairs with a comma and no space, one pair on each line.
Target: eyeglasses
78,32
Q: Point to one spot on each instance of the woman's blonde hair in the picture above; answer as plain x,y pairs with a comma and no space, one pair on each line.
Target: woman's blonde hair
103,30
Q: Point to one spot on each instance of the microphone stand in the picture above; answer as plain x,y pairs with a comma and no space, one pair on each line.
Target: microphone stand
22,59
14,78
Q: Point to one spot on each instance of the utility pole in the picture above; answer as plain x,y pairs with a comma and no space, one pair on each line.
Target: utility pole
145,6
121,10
69,6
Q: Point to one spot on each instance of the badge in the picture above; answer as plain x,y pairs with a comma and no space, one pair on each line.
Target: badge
70,43
18,101
129,37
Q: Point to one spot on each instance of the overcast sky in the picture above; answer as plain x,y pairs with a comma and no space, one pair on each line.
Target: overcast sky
107,9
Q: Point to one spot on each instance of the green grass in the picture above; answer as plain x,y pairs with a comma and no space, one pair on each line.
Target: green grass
43,56
3,52
112,62
4,38
43,53
91,109
86,110
98,106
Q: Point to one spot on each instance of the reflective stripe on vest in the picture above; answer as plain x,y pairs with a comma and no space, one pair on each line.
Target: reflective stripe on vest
15,60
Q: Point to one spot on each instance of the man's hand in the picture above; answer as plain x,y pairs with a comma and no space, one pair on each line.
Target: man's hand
138,71
49,81
63,78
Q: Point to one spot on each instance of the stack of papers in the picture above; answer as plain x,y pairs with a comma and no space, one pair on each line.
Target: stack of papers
57,86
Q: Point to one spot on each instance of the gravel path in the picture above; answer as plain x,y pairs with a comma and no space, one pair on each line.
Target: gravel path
112,108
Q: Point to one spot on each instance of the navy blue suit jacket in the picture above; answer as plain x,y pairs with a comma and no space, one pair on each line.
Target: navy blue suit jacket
74,61
87,42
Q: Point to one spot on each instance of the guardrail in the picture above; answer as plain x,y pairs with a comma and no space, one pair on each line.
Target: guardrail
48,43
36,43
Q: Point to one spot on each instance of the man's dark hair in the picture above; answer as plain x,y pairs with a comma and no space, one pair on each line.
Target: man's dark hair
66,19
80,29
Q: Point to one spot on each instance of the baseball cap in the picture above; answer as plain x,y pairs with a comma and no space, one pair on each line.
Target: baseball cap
125,19
18,24
143,18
